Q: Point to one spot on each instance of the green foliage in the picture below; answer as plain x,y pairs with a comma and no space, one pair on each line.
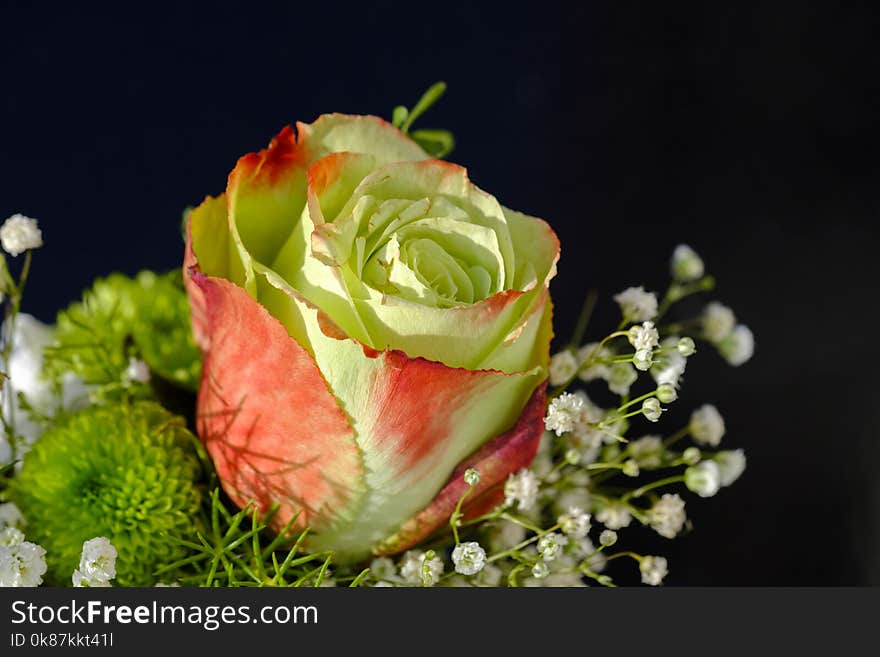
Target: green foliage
125,471
436,143
119,318
237,548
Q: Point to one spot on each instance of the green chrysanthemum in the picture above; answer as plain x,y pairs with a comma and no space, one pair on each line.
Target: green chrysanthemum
119,318
127,472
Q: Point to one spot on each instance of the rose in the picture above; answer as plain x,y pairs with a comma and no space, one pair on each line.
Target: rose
372,324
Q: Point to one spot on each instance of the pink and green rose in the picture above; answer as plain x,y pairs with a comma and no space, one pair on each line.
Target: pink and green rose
372,324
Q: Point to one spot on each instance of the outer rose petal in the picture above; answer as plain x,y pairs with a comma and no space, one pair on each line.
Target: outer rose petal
274,431
497,459
415,420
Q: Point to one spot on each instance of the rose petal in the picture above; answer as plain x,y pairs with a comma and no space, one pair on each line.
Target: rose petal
497,459
274,431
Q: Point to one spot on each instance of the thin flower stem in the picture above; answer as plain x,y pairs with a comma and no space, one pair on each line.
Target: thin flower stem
678,435
638,492
583,319
520,546
636,401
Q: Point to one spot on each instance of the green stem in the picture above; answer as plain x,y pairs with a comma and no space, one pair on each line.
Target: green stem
678,435
638,492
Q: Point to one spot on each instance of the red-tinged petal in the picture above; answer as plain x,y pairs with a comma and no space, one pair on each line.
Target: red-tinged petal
499,458
266,193
415,420
274,431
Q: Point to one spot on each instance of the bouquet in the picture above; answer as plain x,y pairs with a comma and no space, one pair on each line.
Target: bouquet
349,382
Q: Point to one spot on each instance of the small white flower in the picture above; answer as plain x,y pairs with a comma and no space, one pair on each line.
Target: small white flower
469,558
471,477
643,359
19,234
704,478
608,538
653,570
97,564
23,564
636,304
137,371
686,346
630,468
563,367
11,536
574,522
718,321
521,488
666,393
620,377
614,515
647,451
563,413
651,409
593,352
419,568
686,265
707,426
550,545
692,455
738,347
383,568
29,338
540,570
643,336
731,464
10,516
669,366
667,516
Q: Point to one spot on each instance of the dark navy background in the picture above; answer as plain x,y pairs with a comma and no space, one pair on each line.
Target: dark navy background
750,133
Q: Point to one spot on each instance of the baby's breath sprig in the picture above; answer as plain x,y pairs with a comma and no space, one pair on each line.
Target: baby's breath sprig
591,480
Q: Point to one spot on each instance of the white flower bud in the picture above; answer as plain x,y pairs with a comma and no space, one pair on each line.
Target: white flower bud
718,321
471,477
686,346
563,367
608,538
686,265
666,393
620,377
630,468
651,409
704,479
643,359
739,346
691,455
540,570
636,304
731,464
707,426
